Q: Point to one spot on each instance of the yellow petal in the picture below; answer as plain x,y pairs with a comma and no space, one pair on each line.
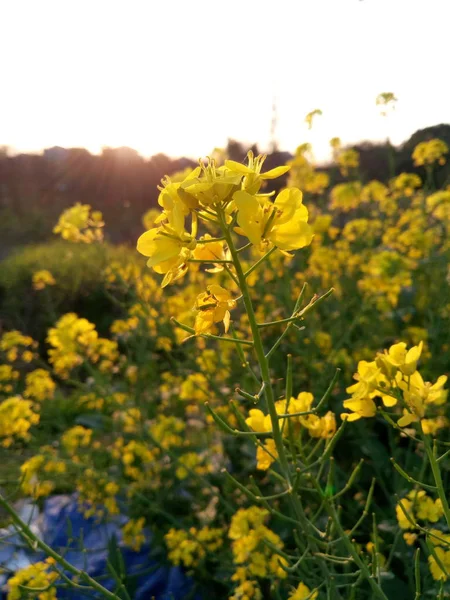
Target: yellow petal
276,172
237,167
204,321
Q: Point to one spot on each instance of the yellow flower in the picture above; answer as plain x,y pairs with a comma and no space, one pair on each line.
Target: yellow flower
302,592
80,224
444,559
410,538
253,178
320,427
405,360
32,471
405,183
266,455
8,376
210,251
418,394
213,306
427,153
39,385
168,251
76,437
190,547
346,196
16,419
367,378
258,421
38,577
310,116
432,426
132,533
283,223
429,509
42,279
360,407
348,159
210,186
403,521
386,99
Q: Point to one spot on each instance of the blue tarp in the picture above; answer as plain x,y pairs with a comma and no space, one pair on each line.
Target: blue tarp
85,543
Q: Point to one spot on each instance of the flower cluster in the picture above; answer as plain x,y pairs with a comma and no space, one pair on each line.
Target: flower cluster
298,414
133,535
253,556
213,194
189,547
393,377
17,416
38,579
428,153
80,224
73,339
43,278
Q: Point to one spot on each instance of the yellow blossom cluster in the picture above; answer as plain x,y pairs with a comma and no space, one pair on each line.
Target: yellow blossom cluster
302,415
39,577
302,592
346,196
417,505
39,385
17,416
80,224
348,160
192,462
405,184
17,346
430,152
439,561
38,474
8,378
254,559
189,548
132,533
75,339
214,193
393,377
97,495
303,175
42,279
387,101
213,306
76,437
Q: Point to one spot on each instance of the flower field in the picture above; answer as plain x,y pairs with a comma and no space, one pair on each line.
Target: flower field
268,401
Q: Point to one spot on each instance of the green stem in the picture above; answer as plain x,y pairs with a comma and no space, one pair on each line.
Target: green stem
436,475
263,361
260,354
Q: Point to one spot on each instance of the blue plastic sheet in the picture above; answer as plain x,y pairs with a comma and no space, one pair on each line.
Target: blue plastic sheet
85,543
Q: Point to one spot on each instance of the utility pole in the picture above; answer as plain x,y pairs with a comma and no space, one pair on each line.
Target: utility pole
273,143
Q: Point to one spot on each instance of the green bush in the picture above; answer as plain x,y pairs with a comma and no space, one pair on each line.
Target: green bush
80,285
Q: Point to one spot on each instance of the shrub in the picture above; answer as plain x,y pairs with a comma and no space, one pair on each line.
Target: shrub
78,273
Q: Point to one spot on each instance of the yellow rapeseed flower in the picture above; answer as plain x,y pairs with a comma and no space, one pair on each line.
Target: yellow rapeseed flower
283,223
80,224
43,278
213,306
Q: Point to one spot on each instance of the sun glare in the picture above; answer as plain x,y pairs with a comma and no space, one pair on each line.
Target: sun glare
95,74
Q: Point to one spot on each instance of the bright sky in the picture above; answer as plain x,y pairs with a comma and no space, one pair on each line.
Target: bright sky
181,77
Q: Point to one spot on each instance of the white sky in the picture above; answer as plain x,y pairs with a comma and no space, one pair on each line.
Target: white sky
180,77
